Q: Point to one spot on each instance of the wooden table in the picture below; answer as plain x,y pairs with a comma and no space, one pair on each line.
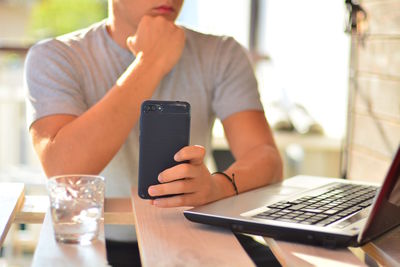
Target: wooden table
166,238
164,235
51,253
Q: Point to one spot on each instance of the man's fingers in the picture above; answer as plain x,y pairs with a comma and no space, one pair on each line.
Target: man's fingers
177,172
176,201
194,154
183,186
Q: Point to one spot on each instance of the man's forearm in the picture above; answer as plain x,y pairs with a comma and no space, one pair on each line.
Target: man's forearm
260,166
86,144
89,142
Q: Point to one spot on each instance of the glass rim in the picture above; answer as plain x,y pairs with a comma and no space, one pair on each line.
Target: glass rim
55,177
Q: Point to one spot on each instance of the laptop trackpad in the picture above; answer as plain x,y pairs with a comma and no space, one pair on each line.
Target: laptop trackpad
286,190
261,197
353,218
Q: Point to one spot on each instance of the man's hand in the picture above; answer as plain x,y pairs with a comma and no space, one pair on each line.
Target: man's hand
159,42
191,180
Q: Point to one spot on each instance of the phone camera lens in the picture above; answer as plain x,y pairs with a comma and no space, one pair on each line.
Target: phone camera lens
153,108
146,108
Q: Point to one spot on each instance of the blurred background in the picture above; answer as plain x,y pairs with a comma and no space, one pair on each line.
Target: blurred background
297,45
328,74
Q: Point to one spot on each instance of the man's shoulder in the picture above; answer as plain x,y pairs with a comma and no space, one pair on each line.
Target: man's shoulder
210,44
92,31
206,38
70,42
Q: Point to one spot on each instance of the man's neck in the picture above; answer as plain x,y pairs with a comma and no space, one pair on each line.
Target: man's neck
119,31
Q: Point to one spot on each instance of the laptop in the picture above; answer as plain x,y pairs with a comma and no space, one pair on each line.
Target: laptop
314,210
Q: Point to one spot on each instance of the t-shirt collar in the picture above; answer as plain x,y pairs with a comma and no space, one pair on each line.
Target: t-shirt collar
125,54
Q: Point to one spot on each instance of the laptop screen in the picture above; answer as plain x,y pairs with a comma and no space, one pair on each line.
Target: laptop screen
385,213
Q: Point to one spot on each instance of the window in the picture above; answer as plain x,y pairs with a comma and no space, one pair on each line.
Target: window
26,22
306,44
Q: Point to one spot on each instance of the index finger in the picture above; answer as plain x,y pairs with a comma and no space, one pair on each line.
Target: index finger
194,154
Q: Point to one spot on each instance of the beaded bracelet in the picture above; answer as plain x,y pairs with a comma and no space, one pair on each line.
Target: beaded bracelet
232,180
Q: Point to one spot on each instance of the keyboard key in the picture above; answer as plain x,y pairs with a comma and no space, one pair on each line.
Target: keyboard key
312,210
279,205
365,204
297,207
288,216
275,215
344,213
331,211
323,222
321,216
265,217
294,202
286,220
306,222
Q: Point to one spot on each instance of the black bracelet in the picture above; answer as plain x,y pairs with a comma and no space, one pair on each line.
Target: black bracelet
232,180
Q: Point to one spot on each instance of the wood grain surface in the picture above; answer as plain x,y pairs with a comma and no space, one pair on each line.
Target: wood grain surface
166,238
51,253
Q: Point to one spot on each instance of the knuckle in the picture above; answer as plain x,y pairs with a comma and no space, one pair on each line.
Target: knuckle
183,153
185,168
162,21
202,152
162,177
180,201
161,190
201,149
180,186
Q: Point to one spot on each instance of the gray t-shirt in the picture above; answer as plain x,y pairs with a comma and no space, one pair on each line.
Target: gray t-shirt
69,74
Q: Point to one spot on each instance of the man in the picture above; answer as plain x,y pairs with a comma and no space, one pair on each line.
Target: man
85,91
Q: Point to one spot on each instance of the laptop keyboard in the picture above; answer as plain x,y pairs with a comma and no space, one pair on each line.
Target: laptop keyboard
338,201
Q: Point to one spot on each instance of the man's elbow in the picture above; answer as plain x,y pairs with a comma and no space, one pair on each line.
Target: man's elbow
50,164
50,158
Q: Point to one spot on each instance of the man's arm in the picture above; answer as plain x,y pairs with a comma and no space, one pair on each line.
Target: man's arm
85,144
251,141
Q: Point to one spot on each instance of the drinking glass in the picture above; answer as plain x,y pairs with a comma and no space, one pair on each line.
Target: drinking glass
76,204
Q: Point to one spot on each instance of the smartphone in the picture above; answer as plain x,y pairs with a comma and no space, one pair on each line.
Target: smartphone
164,130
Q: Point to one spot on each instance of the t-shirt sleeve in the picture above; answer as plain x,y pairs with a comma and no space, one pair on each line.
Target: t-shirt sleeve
51,82
235,83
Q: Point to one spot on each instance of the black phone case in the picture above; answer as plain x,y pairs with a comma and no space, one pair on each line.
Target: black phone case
164,130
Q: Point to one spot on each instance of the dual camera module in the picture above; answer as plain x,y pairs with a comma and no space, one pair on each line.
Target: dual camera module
153,107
